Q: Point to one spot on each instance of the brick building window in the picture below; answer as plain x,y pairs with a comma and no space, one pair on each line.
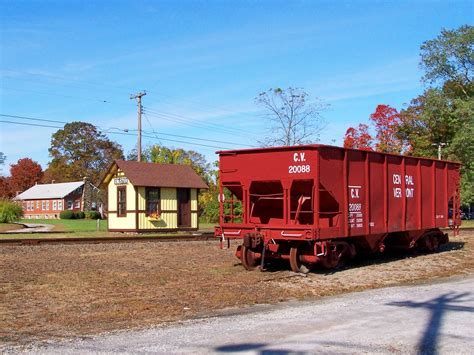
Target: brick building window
43,205
121,201
55,205
60,205
47,205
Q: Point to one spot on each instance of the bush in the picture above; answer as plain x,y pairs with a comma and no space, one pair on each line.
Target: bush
10,211
79,215
92,215
66,214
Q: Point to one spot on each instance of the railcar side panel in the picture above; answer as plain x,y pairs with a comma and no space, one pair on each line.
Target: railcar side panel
377,222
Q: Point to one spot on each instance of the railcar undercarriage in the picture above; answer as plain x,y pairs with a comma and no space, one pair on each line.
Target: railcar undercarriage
255,251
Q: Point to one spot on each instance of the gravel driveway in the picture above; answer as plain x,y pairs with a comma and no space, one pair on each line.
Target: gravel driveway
412,319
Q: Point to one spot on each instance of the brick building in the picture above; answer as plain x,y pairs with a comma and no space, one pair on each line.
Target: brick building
48,200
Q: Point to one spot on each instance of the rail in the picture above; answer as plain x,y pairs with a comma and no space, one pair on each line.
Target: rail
97,240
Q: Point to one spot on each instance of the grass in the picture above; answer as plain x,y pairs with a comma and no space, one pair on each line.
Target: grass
467,224
83,228
71,225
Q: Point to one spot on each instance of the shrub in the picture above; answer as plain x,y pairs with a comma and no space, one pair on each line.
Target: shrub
10,211
79,215
92,215
66,214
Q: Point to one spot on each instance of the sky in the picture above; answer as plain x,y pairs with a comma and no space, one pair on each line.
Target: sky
202,63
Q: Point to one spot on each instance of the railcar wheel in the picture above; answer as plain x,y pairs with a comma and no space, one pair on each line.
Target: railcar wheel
433,242
295,262
247,256
336,254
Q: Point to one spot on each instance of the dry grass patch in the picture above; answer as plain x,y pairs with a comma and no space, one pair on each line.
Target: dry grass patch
75,290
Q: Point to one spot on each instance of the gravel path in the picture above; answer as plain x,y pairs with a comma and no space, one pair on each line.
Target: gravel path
412,319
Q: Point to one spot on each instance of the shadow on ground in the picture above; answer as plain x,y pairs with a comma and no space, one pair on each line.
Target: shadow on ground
438,307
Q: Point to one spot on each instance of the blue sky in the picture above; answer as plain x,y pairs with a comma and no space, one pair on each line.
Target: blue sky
203,63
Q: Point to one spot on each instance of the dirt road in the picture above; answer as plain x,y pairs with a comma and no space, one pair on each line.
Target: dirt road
427,319
70,291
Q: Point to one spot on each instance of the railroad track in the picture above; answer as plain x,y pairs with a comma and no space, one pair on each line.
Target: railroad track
128,239
97,240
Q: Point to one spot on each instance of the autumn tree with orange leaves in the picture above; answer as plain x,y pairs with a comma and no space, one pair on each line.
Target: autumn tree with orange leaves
385,121
358,138
23,175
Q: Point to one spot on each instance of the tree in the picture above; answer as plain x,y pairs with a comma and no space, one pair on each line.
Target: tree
386,122
358,138
164,155
24,174
5,189
293,120
79,150
449,58
444,113
434,118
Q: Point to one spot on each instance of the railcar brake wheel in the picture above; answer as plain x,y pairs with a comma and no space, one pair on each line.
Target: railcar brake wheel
249,261
295,262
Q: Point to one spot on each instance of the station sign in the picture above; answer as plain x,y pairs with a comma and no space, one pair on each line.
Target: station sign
121,181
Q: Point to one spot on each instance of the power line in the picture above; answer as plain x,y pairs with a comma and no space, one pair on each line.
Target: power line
126,133
188,137
187,121
121,133
118,88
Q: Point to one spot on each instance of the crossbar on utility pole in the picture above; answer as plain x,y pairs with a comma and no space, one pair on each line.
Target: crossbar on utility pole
138,97
440,146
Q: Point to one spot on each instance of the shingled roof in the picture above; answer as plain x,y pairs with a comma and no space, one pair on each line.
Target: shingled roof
158,175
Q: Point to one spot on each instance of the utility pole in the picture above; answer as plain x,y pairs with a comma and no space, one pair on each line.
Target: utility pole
440,146
138,97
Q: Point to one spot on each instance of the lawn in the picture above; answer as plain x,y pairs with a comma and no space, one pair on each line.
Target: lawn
83,228
71,225
467,224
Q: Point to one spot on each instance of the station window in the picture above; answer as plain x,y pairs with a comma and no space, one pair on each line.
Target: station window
60,205
43,205
69,205
152,200
77,204
55,205
37,205
121,201
47,205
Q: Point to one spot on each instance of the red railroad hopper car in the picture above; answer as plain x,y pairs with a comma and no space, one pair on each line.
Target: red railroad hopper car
314,204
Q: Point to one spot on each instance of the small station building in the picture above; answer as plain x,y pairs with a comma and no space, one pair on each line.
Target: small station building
146,197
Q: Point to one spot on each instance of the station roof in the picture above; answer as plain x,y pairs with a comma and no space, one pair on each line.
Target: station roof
157,175
45,191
